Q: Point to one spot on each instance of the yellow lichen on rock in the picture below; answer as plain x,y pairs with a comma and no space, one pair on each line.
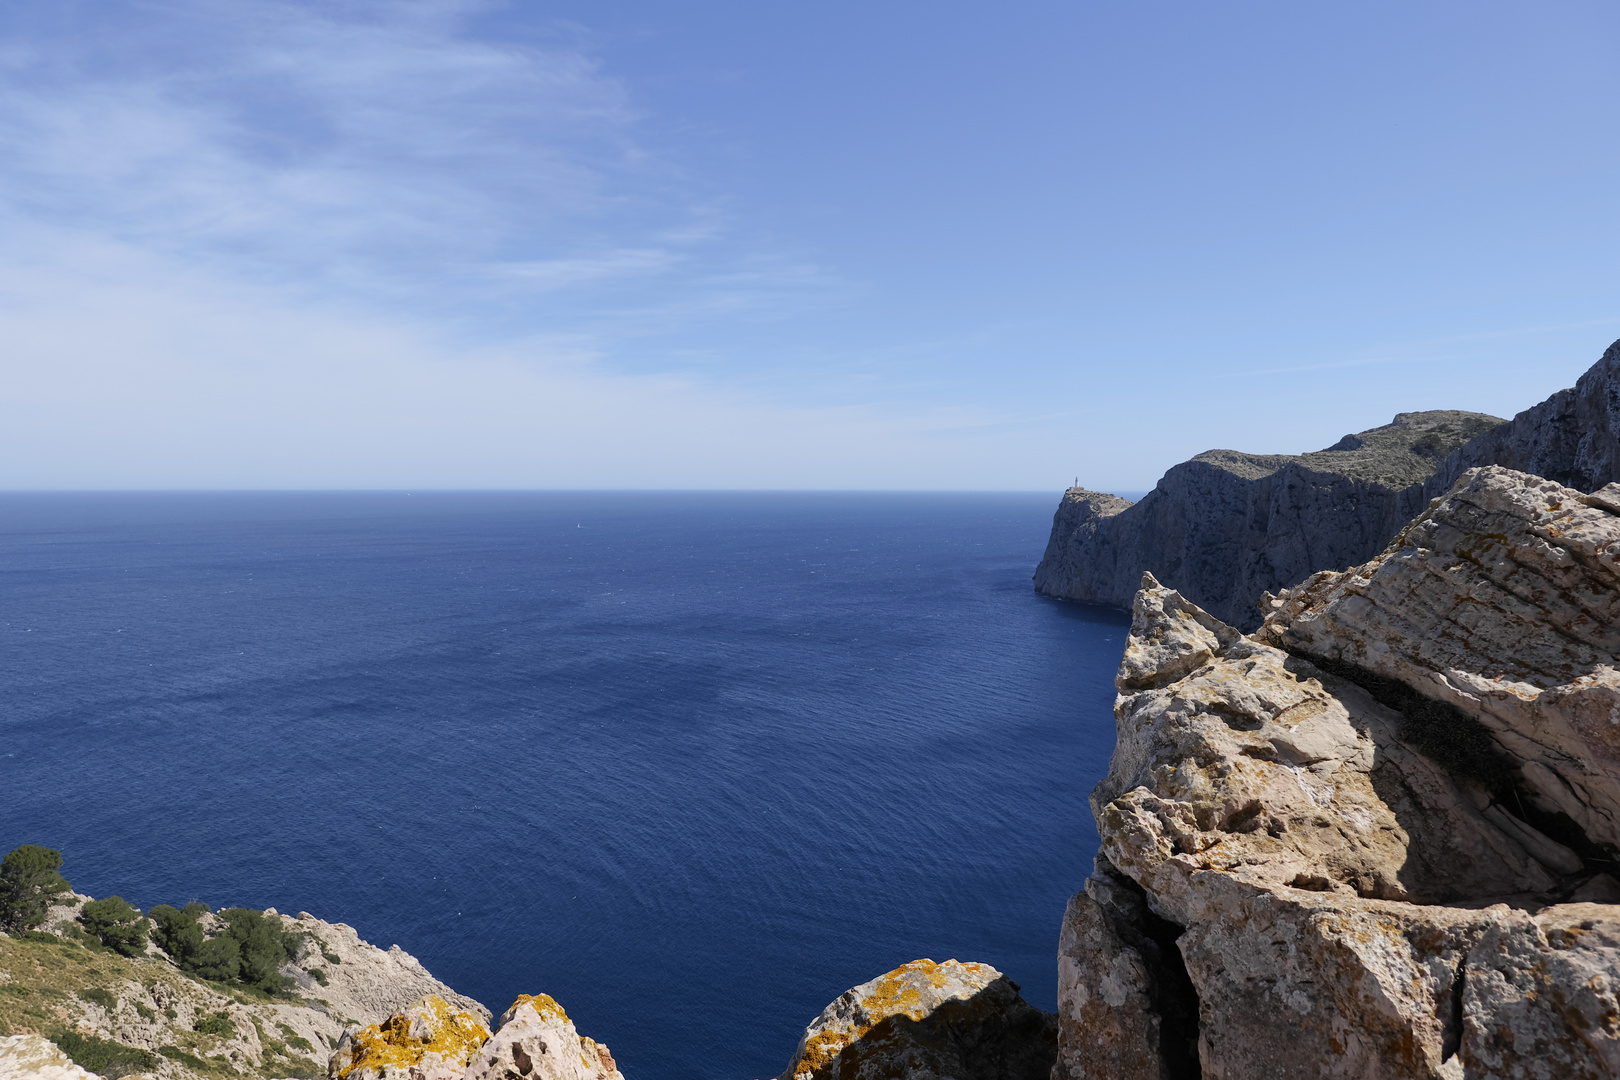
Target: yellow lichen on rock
536,1040
428,1038
907,1017
545,1007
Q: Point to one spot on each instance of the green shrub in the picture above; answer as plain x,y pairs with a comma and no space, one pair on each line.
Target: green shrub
190,1061
330,957
110,1059
177,932
295,1040
218,958
319,975
116,925
215,1023
251,948
101,997
144,1013
264,947
29,882
300,1068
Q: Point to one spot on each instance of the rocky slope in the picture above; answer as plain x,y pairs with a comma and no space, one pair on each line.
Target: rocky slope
1226,526
155,1020
1375,838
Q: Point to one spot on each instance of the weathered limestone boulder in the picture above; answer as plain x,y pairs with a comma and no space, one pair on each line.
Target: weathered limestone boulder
537,1041
1226,525
1294,882
34,1057
929,1021
1502,601
429,1040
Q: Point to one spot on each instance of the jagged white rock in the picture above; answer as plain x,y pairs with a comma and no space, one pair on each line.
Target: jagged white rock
1289,885
34,1057
537,1041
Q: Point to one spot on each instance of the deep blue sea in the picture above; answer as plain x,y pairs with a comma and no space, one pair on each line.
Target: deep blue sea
693,764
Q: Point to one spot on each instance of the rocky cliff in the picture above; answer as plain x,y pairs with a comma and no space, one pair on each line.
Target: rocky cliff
1226,526
1373,839
1573,437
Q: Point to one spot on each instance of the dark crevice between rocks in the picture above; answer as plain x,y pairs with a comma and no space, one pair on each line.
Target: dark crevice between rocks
1465,748
1171,993
1452,1031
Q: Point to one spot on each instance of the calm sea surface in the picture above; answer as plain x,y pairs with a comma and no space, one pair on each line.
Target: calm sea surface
693,764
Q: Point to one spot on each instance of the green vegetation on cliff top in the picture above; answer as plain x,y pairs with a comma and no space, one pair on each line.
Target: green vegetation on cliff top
1401,453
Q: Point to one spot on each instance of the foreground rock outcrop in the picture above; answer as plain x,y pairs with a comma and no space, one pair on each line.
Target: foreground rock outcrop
928,1020
1391,863
34,1057
1226,526
430,1040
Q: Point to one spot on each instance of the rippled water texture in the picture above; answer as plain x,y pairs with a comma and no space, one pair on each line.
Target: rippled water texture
693,764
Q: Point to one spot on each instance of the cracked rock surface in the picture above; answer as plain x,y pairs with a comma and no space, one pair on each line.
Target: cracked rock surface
1359,866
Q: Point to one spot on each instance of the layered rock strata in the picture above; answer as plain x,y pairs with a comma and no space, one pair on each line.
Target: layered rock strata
1391,863
964,1021
1226,526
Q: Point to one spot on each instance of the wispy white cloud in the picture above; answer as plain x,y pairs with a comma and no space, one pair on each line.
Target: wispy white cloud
148,374
376,147
351,141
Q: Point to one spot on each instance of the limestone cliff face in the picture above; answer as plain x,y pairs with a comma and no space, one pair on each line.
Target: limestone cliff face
1374,838
1572,438
1227,526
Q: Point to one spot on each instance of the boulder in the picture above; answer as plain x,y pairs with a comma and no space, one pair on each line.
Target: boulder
537,1041
428,1040
929,1021
1501,604
34,1057
1301,874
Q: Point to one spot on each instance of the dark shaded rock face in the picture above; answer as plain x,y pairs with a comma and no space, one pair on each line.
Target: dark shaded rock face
1572,438
1227,526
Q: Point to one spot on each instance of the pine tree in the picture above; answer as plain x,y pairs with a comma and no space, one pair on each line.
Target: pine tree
29,882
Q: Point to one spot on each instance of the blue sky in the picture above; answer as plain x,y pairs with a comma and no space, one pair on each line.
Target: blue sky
370,243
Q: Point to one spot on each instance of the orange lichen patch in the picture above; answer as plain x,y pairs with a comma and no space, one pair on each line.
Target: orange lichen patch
898,993
544,1005
597,1055
430,1026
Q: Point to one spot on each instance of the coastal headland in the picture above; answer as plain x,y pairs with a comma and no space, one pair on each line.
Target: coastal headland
1362,818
